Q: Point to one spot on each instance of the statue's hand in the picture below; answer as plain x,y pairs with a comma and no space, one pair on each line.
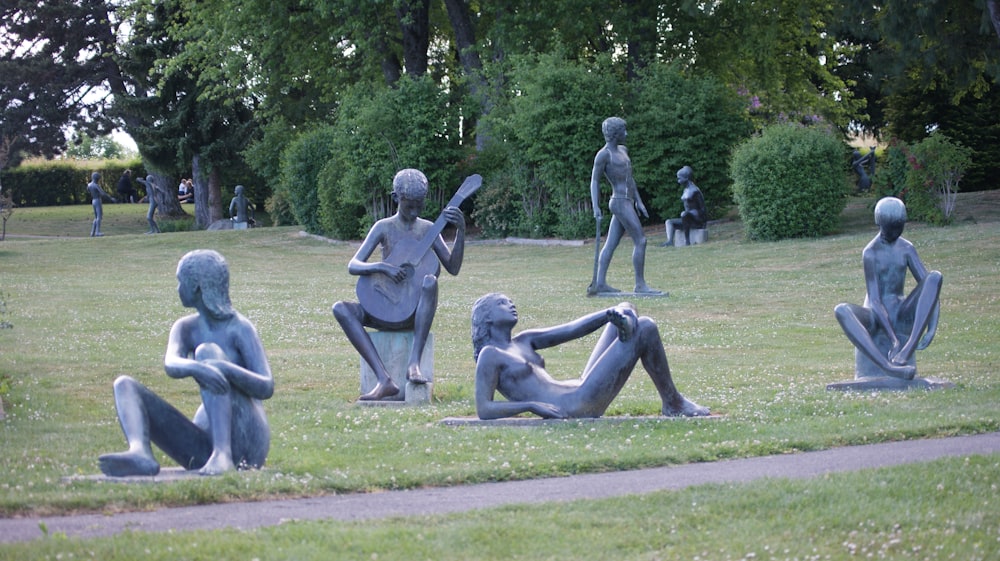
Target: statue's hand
454,216
211,379
642,209
597,213
547,410
395,273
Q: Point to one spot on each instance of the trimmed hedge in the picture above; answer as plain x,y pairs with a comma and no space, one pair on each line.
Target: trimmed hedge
790,182
58,182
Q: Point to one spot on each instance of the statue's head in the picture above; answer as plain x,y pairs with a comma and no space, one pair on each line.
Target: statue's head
482,318
95,176
890,211
684,174
613,128
409,184
207,271
239,190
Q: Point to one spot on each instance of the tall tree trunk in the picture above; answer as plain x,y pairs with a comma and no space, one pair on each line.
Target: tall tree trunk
207,194
414,22
465,43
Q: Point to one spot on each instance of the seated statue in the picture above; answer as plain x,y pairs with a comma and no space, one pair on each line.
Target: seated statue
240,210
510,364
221,350
890,327
694,215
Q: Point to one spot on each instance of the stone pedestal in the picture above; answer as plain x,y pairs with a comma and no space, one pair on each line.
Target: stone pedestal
697,236
394,349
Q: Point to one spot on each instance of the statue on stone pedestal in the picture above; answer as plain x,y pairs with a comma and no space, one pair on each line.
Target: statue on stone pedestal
510,364
221,350
612,161
401,291
240,210
694,215
891,326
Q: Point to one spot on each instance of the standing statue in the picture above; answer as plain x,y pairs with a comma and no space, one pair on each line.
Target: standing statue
612,161
401,291
153,203
510,364
694,215
864,166
221,350
240,210
97,198
891,327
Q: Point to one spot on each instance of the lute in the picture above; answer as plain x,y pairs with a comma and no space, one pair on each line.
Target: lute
390,301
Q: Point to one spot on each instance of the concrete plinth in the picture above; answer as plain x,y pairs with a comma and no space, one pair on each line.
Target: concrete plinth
889,383
394,349
697,236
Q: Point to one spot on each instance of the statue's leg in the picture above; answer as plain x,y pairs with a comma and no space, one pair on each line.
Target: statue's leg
147,418
921,304
423,318
858,324
670,225
615,232
630,223
218,408
350,316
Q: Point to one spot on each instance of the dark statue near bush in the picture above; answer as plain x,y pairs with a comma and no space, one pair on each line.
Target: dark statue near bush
694,215
221,350
510,364
864,166
613,162
890,327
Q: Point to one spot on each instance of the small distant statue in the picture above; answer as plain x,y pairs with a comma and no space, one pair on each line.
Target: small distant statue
890,327
153,203
240,210
97,198
222,351
613,162
510,364
694,215
864,166
400,292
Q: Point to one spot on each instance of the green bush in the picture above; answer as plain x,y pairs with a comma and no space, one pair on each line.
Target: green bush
301,164
925,175
64,182
789,182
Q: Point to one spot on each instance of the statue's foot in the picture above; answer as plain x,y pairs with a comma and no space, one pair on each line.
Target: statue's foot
687,408
666,244
644,289
413,374
904,372
217,464
602,288
386,389
123,464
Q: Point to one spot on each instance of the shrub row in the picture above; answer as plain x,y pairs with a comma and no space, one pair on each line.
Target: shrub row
54,183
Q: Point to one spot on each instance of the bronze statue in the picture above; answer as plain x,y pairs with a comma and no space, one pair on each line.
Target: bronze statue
221,350
240,210
694,215
612,161
890,327
153,203
510,364
401,291
97,198
864,166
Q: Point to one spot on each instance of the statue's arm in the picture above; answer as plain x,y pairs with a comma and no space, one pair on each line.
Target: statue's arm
253,377
543,338
359,264
177,364
452,258
600,161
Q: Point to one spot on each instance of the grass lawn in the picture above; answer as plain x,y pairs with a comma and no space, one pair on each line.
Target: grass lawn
748,328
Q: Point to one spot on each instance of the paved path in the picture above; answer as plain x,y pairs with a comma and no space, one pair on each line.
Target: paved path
470,497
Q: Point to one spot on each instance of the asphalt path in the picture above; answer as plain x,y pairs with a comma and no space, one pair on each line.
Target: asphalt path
444,500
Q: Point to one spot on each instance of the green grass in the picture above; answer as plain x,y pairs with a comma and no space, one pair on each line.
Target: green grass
748,328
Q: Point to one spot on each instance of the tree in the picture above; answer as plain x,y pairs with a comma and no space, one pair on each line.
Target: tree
53,61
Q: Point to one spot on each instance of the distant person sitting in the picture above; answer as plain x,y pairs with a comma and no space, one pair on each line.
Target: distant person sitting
694,215
126,192
185,191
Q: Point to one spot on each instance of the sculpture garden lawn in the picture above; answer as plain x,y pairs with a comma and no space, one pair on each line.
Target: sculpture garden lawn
748,328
